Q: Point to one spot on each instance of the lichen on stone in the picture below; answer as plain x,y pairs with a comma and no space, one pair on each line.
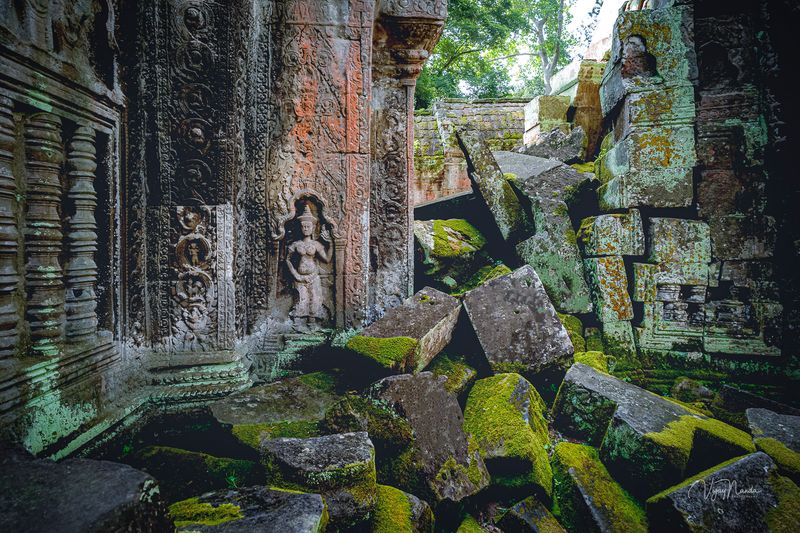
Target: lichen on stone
596,360
678,436
252,434
455,237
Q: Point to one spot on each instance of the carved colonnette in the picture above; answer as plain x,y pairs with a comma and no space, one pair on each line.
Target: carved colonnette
59,107
405,33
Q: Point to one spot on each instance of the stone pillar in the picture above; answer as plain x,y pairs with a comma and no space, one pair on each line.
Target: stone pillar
9,276
81,270
43,274
402,39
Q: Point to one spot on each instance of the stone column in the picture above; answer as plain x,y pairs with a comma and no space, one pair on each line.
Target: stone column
402,40
43,274
81,270
9,276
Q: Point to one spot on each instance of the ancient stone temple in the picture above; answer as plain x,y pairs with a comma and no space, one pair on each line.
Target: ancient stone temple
220,309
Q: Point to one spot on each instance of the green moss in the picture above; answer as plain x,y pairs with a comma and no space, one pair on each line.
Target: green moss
193,512
596,360
686,482
570,236
252,434
391,352
392,511
584,167
784,517
494,417
323,381
788,460
458,373
678,436
178,467
574,328
482,276
455,237
470,525
621,511
509,368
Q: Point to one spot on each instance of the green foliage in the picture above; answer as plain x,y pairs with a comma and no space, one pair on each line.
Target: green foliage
481,42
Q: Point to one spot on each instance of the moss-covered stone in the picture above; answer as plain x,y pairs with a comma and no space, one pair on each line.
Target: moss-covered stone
182,473
597,360
252,434
392,511
455,237
458,373
530,515
192,512
587,498
505,415
470,525
574,328
483,275
390,353
788,460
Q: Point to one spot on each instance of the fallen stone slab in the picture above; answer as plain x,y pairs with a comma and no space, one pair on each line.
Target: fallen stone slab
743,494
778,436
609,285
588,498
184,473
451,250
410,335
506,417
441,462
530,516
516,324
645,440
251,509
78,495
552,251
460,375
287,408
399,511
488,178
613,234
340,467
556,144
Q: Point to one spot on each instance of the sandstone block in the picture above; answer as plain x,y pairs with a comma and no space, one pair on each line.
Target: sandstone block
530,515
676,240
609,285
618,234
516,324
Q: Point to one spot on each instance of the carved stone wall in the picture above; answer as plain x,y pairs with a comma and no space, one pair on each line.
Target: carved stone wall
60,109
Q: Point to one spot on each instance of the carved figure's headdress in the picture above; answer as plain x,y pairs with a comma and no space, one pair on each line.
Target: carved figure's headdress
307,215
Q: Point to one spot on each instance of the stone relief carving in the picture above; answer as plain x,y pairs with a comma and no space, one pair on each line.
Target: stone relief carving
303,261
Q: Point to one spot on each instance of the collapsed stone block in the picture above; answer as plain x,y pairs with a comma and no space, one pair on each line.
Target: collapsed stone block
552,251
340,467
529,515
587,497
543,114
743,494
490,183
609,285
251,509
399,511
618,234
287,408
646,441
459,374
516,324
451,249
777,435
506,417
677,240
78,495
618,341
410,335
556,143
440,462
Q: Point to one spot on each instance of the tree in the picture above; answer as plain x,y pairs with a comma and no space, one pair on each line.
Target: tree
550,42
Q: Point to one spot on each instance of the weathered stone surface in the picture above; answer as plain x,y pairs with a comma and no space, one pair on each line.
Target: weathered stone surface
251,509
676,240
646,441
555,141
399,511
609,285
427,318
545,109
744,494
492,186
737,236
450,250
612,234
777,435
340,467
470,525
619,341
530,516
78,495
185,473
516,324
442,463
294,404
586,496
688,390
506,417
552,251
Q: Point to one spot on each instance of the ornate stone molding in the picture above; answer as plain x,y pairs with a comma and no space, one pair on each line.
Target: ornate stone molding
9,275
